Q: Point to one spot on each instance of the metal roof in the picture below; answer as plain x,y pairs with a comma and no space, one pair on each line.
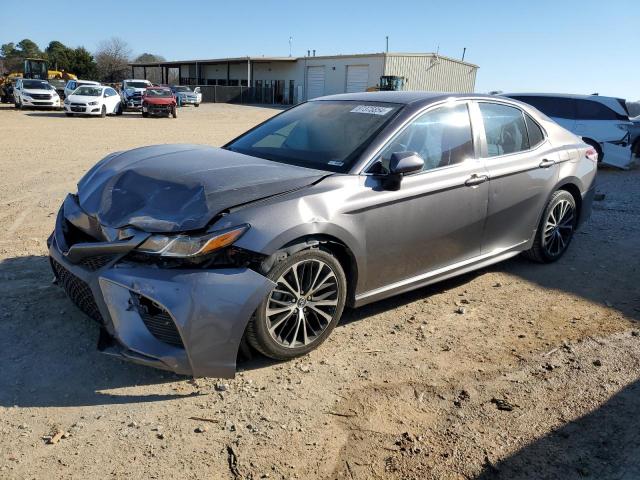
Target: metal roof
214,60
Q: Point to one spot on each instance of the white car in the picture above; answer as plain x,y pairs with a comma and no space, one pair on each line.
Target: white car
35,93
602,122
132,91
73,84
93,100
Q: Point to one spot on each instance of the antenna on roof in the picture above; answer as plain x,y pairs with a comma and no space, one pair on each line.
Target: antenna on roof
387,38
290,42
464,50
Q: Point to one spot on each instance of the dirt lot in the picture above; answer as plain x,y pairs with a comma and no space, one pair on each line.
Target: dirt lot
538,378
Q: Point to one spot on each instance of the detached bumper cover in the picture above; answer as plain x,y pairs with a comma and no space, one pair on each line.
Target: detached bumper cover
206,310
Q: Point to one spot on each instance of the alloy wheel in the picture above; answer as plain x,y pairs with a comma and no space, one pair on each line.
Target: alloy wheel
558,228
303,303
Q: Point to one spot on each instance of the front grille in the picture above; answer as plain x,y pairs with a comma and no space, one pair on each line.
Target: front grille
40,96
96,262
78,104
77,290
157,320
42,103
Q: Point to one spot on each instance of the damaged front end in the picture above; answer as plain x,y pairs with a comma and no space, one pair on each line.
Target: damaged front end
161,301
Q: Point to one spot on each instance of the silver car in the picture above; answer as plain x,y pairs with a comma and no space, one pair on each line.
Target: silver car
183,252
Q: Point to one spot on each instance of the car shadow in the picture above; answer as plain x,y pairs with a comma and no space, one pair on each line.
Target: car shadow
61,114
603,444
48,347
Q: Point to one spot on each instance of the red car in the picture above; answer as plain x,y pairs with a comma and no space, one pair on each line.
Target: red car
159,101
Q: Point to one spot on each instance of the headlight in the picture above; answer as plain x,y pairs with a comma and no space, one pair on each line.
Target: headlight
66,101
92,103
191,246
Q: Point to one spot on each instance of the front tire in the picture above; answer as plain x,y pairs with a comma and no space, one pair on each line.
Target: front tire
556,228
174,112
304,307
103,111
196,105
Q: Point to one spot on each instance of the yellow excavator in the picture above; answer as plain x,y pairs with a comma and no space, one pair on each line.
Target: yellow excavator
34,68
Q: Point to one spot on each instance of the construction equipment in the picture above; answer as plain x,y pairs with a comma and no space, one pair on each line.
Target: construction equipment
388,83
38,69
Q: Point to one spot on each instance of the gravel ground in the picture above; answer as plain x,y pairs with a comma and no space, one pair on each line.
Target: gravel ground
538,378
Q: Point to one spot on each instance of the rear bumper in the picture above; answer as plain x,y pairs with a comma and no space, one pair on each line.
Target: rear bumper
195,320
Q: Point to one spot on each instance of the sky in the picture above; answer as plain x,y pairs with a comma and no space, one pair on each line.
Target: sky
565,46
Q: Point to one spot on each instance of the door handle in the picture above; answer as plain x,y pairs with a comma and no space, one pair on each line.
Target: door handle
547,163
475,180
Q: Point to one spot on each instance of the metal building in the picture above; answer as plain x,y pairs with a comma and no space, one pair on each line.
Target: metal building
294,79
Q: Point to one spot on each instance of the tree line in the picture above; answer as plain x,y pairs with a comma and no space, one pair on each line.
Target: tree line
109,63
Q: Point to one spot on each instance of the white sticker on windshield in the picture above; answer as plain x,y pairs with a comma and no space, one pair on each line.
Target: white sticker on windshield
336,163
371,110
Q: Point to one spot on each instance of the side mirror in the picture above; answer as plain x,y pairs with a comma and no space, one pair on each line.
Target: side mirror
400,164
404,163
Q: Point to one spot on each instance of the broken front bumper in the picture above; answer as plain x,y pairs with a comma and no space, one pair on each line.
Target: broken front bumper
186,321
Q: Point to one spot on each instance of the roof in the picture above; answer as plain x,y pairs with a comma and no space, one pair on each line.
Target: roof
263,59
558,95
403,97
215,60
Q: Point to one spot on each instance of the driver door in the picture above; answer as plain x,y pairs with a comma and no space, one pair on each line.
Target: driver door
435,219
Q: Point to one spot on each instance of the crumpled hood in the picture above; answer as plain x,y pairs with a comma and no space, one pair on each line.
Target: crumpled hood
174,188
159,100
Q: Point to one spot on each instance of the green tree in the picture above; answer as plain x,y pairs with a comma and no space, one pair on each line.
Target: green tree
59,56
83,64
28,49
149,58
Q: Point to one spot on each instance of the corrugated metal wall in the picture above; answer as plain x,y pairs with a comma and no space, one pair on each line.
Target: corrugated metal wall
432,73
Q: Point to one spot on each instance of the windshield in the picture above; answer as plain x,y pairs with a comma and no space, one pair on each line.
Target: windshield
36,84
88,91
158,92
326,135
182,89
136,85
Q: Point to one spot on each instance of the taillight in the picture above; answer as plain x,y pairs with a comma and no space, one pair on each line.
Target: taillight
592,154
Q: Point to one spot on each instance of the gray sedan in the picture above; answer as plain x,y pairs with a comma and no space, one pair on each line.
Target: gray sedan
183,252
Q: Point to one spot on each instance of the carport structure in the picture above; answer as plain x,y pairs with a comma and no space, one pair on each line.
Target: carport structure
216,71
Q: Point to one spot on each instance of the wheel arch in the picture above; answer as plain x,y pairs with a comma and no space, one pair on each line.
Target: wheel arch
334,245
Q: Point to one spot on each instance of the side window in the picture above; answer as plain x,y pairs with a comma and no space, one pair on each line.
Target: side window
590,110
504,128
536,136
558,107
441,137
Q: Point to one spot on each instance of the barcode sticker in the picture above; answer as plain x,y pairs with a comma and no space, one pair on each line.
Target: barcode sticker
371,110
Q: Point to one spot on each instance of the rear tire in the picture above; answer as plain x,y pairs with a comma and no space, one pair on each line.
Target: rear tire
556,229
304,307
119,109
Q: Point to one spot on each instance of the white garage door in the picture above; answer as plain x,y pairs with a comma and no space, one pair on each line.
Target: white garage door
315,82
357,78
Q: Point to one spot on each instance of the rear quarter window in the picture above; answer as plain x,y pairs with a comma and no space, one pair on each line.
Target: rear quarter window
536,135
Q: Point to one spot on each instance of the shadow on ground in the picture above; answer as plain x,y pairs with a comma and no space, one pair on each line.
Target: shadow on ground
602,444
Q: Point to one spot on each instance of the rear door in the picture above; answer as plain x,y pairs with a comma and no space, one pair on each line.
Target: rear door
315,82
523,170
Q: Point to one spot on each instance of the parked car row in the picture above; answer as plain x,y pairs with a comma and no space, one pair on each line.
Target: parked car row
86,97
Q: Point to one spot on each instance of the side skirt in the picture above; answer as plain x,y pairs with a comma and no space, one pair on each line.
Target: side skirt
440,274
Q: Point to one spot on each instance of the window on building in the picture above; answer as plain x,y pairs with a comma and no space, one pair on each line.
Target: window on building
504,128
